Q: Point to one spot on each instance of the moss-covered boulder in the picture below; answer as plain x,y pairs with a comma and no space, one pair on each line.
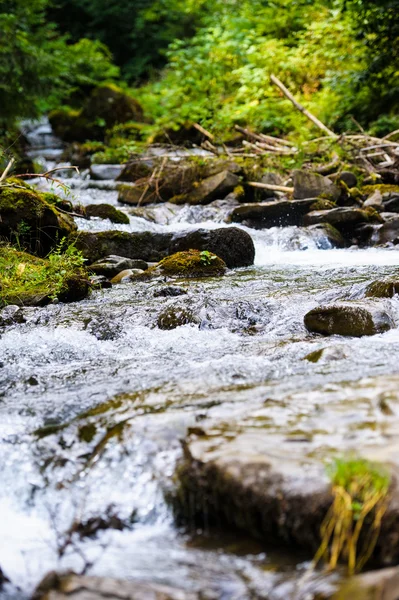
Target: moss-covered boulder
29,220
27,280
354,319
382,289
107,211
189,263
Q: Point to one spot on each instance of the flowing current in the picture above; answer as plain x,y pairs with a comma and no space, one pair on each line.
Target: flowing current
95,401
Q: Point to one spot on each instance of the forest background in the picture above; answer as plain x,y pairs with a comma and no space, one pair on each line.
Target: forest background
206,61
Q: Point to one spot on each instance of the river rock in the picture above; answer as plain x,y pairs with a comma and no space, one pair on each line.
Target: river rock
100,172
169,291
69,586
30,220
345,219
391,204
382,289
213,188
349,179
107,211
231,244
354,319
100,282
112,265
11,314
126,275
327,236
375,200
176,316
375,585
271,214
312,185
388,233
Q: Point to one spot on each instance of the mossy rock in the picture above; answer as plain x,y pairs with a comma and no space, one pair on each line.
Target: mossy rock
383,188
68,125
382,289
29,220
187,264
321,204
175,316
107,211
111,104
28,280
192,263
353,320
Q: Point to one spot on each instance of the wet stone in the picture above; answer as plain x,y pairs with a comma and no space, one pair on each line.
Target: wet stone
311,185
176,316
126,275
107,211
79,587
375,585
353,320
11,314
382,289
100,172
100,282
112,265
169,291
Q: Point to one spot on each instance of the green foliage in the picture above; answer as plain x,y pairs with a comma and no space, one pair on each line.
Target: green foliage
24,276
207,257
37,66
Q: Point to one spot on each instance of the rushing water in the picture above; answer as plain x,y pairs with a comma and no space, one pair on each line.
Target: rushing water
95,400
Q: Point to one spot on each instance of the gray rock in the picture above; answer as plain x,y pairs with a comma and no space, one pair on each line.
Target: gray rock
388,233
110,266
354,319
271,214
101,172
313,185
343,217
212,188
126,275
327,236
231,244
271,179
11,314
391,204
80,587
348,178
375,200
100,282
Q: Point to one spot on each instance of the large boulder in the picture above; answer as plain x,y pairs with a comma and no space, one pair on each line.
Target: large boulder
231,244
271,214
313,185
188,264
353,319
29,220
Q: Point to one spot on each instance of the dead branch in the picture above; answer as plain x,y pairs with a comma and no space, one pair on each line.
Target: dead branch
302,109
261,137
204,132
272,187
7,170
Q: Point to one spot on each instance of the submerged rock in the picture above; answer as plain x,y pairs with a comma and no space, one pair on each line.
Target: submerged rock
169,291
11,314
348,319
109,266
343,218
100,282
176,316
80,587
388,233
327,236
382,289
313,185
107,211
231,244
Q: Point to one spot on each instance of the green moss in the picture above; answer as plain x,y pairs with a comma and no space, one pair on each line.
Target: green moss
28,280
322,205
107,211
192,263
315,356
384,188
382,289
